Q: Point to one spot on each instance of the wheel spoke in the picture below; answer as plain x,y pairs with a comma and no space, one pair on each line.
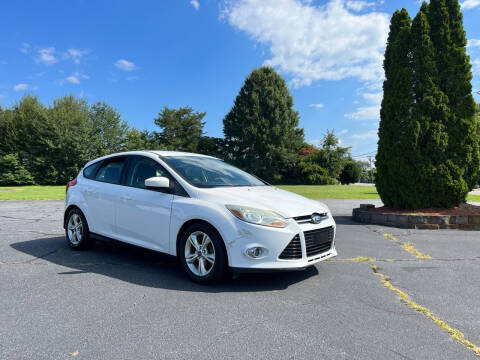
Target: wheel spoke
210,258
193,239
206,241
201,266
191,258
78,235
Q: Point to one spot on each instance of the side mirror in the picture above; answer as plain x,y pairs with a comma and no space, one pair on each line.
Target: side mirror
157,183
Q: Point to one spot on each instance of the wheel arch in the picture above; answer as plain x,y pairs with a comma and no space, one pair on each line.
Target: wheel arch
198,221
67,210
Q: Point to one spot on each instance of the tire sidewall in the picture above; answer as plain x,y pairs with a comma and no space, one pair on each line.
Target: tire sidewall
219,269
86,240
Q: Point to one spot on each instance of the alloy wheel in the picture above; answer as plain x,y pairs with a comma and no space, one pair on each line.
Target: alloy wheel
199,253
75,229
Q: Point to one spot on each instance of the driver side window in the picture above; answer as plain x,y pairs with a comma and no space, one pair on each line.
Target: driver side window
142,168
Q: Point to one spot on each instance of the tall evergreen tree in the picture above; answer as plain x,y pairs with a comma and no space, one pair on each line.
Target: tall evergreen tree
439,181
454,79
396,177
261,130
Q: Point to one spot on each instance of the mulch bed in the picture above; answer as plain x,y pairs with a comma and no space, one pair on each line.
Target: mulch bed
462,210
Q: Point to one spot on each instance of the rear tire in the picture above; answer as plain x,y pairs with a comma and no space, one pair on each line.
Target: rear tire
77,232
202,254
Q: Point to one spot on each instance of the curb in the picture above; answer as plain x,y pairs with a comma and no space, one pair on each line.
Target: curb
407,221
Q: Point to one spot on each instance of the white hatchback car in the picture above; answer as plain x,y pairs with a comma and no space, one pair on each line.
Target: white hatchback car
211,215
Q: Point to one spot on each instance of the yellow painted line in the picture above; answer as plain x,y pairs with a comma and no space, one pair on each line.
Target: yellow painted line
454,333
408,247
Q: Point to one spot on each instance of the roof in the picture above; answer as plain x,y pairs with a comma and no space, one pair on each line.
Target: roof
175,153
140,152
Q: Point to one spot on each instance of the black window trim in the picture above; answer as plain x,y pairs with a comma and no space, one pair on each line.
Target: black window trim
175,187
108,160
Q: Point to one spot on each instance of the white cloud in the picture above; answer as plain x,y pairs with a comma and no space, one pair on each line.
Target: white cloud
370,112
21,87
125,65
25,48
326,42
372,134
470,4
374,98
317,106
46,56
358,5
195,4
77,54
365,113
76,78
473,43
342,132
476,66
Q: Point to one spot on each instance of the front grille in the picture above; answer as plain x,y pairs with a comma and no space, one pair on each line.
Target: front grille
318,241
308,218
293,250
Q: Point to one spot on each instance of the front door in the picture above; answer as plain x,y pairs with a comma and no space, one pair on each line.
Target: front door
143,216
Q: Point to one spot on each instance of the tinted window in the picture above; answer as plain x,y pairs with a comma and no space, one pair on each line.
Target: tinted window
91,170
207,172
110,172
142,168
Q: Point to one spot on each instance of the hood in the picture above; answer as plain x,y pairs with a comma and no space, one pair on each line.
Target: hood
282,202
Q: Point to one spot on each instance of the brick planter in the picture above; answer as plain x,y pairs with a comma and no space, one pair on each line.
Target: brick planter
364,214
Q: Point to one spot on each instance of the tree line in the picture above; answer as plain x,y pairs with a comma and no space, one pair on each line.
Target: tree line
428,150
49,144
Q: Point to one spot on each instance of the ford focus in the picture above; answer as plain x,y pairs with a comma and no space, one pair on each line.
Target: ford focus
214,217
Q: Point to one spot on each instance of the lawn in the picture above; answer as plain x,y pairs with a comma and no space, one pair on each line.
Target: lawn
48,192
310,191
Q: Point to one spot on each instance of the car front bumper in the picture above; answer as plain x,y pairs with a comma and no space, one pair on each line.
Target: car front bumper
275,240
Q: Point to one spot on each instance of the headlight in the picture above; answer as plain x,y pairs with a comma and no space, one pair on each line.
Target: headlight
257,216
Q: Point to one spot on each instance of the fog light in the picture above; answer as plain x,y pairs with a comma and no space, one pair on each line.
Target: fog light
256,252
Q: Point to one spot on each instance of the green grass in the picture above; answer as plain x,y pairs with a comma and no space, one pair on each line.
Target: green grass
342,192
310,191
47,192
333,191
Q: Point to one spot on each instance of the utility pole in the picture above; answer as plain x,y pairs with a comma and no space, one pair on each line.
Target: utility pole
371,175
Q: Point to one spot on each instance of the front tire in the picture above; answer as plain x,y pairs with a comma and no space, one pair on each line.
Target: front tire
77,232
202,254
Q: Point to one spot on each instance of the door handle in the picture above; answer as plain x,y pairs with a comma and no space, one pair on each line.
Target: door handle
126,197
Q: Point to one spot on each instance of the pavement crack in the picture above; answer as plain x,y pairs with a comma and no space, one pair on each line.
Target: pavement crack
405,299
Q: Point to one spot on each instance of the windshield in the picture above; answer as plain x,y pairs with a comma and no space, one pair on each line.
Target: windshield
207,172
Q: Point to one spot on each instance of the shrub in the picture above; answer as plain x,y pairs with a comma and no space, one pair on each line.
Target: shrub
350,173
13,172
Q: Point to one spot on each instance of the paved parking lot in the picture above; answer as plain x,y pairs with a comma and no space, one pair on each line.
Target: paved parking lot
121,302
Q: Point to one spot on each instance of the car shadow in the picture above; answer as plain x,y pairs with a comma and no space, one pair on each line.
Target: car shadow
145,267
345,220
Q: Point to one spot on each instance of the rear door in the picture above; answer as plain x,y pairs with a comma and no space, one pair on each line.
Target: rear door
143,215
102,193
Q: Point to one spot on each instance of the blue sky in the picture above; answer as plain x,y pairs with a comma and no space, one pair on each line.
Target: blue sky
142,55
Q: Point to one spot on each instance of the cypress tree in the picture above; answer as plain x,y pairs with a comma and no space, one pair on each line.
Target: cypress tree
439,182
454,79
261,130
396,177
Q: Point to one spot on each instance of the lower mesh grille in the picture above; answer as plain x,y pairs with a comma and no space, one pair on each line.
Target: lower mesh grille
293,250
318,241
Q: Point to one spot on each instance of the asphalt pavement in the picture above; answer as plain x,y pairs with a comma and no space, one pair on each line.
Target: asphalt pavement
120,302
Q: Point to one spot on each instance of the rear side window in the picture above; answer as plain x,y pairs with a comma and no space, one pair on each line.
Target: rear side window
91,170
110,172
